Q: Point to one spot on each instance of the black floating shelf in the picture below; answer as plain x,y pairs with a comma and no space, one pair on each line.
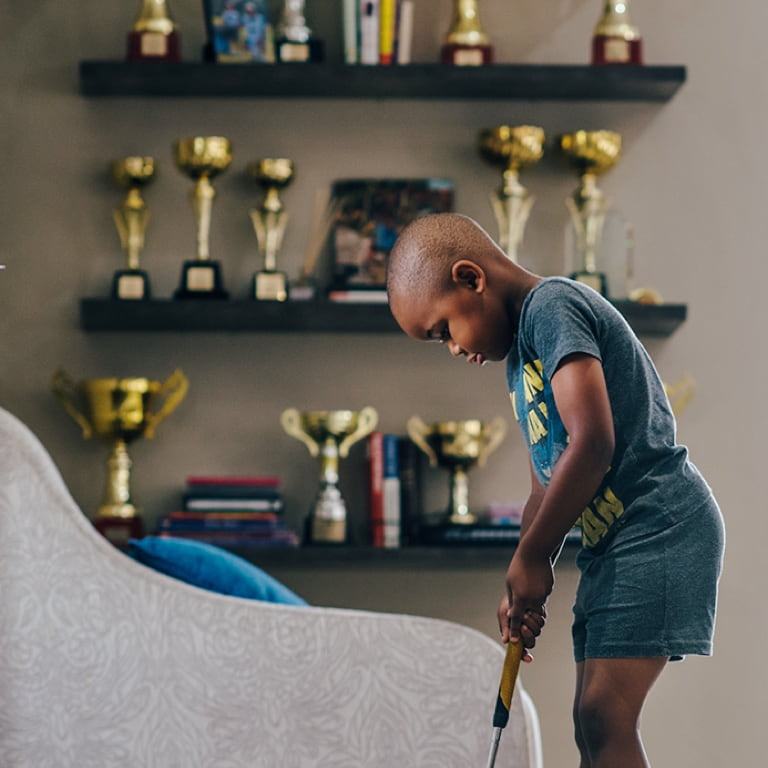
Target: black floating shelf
300,316
413,81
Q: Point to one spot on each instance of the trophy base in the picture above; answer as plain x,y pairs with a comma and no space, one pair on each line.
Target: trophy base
270,286
616,50
317,530
466,55
118,530
288,51
130,285
201,280
595,280
466,518
153,46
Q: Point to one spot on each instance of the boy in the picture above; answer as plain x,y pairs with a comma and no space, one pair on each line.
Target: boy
603,456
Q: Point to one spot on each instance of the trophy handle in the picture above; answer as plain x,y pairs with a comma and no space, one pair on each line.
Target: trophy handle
63,387
367,420
175,389
290,419
416,430
496,431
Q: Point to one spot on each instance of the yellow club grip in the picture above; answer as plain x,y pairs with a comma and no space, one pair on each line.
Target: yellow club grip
507,685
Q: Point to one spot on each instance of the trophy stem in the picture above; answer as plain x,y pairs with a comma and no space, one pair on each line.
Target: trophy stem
459,506
512,206
131,221
588,209
202,202
117,493
329,462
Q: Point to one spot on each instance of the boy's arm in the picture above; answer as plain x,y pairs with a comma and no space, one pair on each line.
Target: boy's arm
582,401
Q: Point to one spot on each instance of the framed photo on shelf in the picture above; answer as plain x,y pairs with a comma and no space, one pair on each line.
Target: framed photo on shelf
238,31
369,214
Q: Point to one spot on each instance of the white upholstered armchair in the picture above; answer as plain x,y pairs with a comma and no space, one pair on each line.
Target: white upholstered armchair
105,662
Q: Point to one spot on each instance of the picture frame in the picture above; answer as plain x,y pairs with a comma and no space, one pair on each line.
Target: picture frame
238,31
368,215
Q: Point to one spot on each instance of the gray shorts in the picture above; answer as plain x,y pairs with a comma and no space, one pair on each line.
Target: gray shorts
652,590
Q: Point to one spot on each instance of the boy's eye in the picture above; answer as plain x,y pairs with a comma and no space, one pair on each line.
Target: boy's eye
445,335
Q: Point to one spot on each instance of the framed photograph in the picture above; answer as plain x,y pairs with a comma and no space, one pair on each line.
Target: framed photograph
369,214
239,31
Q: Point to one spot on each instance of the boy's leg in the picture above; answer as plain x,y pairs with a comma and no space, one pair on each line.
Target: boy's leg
610,694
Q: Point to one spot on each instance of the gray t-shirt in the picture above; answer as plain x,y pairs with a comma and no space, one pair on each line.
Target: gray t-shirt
650,472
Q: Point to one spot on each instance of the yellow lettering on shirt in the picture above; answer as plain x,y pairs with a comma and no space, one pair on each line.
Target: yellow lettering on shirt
514,405
596,520
532,379
536,430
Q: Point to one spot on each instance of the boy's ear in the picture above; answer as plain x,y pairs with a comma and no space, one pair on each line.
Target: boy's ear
468,274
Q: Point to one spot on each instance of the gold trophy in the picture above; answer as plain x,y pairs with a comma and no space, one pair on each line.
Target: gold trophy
132,173
119,411
294,37
458,445
513,148
590,154
616,40
202,158
269,222
329,435
154,36
466,44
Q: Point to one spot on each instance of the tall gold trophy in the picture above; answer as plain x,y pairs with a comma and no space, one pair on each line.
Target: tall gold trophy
132,173
329,435
154,36
269,222
590,154
119,411
202,158
513,148
458,446
466,44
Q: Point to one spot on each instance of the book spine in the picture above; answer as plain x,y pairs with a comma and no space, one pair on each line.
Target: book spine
405,32
391,492
350,12
376,488
387,15
410,458
369,31
199,503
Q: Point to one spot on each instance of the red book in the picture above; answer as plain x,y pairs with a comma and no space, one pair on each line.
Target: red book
376,487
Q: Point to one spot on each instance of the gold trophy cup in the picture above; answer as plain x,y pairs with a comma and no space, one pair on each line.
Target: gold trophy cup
329,435
512,148
154,36
590,154
132,173
119,411
466,44
458,446
202,158
269,222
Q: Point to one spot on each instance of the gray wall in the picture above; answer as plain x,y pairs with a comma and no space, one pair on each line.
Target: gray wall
691,180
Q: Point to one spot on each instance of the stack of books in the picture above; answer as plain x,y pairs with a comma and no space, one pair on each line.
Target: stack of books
378,31
231,512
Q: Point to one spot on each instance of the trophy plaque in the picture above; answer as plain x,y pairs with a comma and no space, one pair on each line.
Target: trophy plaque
269,222
466,44
512,148
154,36
294,38
329,435
590,154
202,158
132,173
458,446
616,40
119,411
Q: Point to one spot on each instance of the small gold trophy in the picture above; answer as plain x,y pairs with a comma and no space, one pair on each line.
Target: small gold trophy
118,411
202,158
154,36
294,38
590,154
132,173
616,40
513,148
269,222
466,44
328,434
458,445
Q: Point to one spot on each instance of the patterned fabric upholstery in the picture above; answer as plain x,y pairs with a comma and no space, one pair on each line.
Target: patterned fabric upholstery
105,662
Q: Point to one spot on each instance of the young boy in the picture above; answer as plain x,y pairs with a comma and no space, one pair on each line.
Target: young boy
603,456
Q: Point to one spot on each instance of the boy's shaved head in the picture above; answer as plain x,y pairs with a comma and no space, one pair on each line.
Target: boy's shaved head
420,262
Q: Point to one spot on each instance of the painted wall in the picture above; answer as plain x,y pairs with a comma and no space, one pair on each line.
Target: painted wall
691,180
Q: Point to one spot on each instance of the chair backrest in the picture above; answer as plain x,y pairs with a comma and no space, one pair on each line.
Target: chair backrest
104,662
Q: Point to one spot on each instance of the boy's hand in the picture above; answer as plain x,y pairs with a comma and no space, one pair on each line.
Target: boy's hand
529,584
503,617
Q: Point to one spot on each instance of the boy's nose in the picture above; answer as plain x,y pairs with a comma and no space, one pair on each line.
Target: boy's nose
455,349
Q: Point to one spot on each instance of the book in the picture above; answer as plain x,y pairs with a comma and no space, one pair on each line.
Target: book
390,490
369,32
361,296
410,460
375,463
387,21
192,503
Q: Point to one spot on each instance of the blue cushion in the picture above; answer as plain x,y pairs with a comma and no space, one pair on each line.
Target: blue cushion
210,567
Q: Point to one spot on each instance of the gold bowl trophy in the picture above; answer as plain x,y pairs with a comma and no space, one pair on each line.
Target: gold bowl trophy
458,445
132,173
512,148
202,158
154,36
466,44
119,411
590,154
616,40
329,435
269,222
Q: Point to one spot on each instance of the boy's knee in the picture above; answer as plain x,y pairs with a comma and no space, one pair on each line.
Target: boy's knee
600,719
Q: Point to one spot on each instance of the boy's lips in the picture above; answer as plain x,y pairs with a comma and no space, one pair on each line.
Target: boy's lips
476,358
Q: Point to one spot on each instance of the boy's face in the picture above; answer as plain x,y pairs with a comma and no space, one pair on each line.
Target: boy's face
469,319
